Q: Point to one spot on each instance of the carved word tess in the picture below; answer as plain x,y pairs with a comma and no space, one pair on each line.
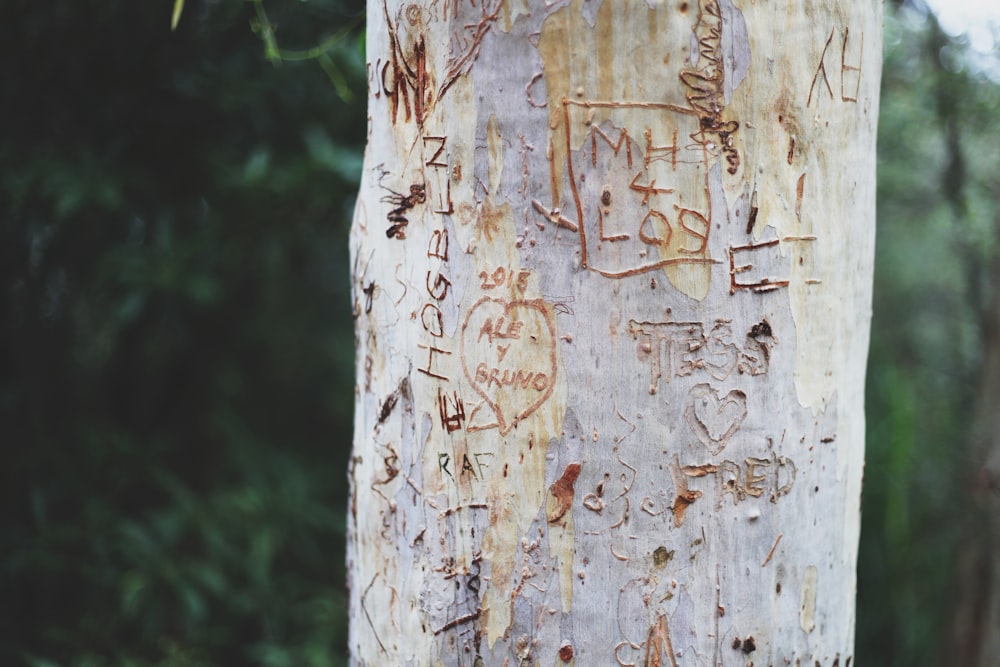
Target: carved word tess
679,349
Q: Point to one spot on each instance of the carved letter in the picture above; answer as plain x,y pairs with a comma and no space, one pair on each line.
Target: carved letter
821,68
753,479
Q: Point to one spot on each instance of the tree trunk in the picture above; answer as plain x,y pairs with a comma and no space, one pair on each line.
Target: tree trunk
975,624
612,271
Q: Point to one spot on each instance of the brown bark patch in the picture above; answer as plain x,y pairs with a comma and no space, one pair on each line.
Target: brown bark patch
562,490
661,556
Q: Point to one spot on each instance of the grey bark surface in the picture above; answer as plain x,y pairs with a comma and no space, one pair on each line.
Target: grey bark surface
612,276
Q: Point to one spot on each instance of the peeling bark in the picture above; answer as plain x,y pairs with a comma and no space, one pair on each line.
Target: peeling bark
612,291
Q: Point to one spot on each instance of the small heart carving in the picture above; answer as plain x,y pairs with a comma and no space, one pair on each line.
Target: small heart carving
713,418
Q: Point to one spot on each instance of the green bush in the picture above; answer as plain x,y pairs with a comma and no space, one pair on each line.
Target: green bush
175,351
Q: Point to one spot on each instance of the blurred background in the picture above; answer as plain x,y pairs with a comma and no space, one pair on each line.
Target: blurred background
176,345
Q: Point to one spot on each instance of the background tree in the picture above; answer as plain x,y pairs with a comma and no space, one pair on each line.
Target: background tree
933,287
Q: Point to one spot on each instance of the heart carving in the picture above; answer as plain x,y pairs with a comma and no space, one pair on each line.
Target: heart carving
508,351
713,418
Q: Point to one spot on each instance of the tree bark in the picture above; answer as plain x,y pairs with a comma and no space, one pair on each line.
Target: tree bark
975,623
612,276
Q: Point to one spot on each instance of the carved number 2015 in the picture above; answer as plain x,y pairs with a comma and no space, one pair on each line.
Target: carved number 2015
501,275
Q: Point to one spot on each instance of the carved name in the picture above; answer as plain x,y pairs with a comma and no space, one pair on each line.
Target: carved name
681,349
508,350
752,478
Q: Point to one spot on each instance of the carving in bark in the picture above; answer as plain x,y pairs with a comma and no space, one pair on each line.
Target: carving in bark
612,280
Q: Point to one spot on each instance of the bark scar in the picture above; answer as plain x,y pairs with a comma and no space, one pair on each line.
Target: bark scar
562,490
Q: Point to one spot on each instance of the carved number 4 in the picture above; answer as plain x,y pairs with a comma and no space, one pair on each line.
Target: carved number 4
648,190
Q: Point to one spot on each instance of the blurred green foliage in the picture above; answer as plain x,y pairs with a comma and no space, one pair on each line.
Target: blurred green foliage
176,360
937,239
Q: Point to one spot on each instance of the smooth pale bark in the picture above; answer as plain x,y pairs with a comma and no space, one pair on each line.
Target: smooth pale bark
612,275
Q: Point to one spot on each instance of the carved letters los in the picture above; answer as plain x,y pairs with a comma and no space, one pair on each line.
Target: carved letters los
616,244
